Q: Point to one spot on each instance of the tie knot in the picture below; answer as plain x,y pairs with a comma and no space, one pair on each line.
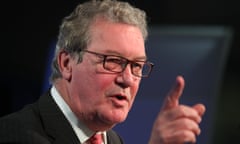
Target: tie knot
96,139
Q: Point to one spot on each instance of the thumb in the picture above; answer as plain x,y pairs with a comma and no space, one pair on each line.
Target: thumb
172,99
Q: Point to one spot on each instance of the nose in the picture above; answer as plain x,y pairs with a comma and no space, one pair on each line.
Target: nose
126,78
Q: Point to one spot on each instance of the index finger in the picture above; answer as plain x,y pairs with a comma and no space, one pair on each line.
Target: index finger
172,99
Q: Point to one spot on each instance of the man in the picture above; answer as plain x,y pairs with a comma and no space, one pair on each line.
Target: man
96,71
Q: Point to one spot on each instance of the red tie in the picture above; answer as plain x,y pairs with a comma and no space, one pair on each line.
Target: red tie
96,139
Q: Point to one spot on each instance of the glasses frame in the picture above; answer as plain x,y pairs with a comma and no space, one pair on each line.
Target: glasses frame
123,67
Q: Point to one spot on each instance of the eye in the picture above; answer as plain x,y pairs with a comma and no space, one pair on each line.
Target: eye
137,65
114,63
114,60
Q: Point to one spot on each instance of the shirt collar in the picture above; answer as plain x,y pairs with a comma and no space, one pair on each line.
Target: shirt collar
82,131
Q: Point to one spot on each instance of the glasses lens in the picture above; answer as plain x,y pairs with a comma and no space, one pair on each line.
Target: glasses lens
118,64
141,69
113,63
146,69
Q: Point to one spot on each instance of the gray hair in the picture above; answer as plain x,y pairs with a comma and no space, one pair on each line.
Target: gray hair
74,34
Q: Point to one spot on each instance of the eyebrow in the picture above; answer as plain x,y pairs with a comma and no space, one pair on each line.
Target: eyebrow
114,53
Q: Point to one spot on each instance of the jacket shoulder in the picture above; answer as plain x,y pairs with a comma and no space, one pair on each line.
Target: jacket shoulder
20,125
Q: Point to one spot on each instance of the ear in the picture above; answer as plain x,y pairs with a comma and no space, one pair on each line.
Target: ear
65,65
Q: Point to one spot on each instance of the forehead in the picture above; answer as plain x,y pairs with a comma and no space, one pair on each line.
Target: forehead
127,40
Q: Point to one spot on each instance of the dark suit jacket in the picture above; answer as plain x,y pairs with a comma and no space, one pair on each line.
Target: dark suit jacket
42,123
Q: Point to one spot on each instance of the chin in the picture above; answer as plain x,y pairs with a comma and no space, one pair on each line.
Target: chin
112,116
115,118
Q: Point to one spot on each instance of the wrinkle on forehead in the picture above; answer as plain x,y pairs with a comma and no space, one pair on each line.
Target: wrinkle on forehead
116,36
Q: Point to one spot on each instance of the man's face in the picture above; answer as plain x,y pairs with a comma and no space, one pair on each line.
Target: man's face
98,97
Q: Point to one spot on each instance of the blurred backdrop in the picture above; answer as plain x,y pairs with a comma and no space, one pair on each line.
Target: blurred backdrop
30,28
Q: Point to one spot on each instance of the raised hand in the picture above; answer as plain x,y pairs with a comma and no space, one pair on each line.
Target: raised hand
177,123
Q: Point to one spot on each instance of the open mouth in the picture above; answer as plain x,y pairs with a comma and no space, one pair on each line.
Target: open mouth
120,100
120,97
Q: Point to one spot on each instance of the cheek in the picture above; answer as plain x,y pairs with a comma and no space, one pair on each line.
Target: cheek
93,85
135,85
102,83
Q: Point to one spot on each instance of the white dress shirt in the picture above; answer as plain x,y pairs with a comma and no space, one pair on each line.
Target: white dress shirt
82,131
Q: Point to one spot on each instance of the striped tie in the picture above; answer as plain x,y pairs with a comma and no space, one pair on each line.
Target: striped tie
96,139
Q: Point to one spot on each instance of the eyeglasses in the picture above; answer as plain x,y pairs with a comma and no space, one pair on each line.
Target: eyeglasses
117,64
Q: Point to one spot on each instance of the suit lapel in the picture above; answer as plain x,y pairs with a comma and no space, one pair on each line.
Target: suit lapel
56,125
113,138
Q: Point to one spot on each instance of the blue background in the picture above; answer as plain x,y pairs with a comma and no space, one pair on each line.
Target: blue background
29,28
